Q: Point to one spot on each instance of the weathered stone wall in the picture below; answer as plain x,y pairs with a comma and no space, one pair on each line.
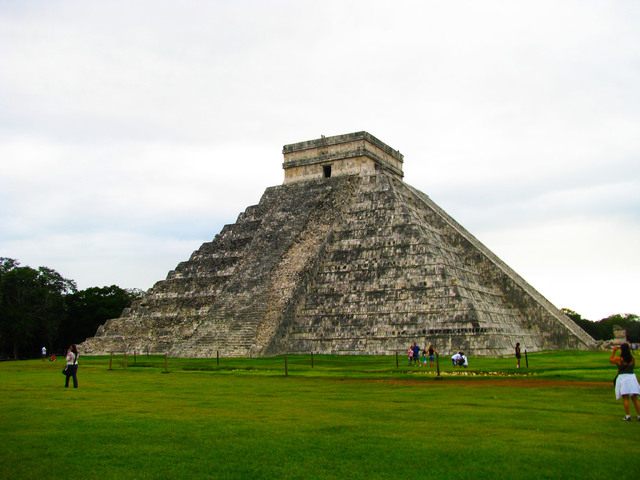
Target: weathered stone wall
536,310
350,154
396,272
357,165
359,264
232,291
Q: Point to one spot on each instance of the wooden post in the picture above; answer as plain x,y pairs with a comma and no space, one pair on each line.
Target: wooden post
111,361
217,357
526,359
438,366
286,367
311,359
396,358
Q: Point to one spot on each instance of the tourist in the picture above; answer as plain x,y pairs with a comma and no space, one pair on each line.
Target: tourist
431,352
416,354
44,353
518,354
424,357
626,383
464,361
456,359
410,355
71,369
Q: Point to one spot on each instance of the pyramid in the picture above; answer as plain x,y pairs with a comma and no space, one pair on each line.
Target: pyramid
342,258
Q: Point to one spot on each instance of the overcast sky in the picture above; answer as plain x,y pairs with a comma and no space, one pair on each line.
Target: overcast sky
132,131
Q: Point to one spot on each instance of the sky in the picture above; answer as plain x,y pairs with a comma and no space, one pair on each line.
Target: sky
132,132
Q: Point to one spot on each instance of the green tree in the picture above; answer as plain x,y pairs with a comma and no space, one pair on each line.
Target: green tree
90,308
628,321
587,325
31,305
58,290
7,264
633,331
603,329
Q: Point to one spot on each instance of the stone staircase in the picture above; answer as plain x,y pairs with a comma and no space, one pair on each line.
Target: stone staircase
231,295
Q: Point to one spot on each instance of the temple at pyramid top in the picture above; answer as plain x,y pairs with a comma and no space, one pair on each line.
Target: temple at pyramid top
350,154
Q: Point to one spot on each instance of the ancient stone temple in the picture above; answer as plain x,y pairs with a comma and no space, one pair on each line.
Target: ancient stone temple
345,258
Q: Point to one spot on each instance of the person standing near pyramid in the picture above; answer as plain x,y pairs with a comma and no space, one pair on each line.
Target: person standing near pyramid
416,354
627,386
431,352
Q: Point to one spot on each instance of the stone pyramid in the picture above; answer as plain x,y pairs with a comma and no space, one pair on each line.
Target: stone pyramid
343,258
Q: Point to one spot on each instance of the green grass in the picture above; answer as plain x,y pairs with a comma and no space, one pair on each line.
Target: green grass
347,418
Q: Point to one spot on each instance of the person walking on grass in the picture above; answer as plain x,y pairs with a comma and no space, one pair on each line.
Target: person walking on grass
72,366
410,355
518,355
627,385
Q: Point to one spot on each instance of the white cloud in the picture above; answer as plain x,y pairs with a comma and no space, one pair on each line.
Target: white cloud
130,131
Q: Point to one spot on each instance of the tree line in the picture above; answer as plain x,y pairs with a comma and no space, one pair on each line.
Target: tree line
40,308
603,329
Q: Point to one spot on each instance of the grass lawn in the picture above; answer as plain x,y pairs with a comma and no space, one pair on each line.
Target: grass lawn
346,418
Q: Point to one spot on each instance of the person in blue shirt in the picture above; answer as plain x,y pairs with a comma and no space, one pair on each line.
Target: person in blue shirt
416,354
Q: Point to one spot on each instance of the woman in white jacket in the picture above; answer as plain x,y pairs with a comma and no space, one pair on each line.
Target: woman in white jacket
72,366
